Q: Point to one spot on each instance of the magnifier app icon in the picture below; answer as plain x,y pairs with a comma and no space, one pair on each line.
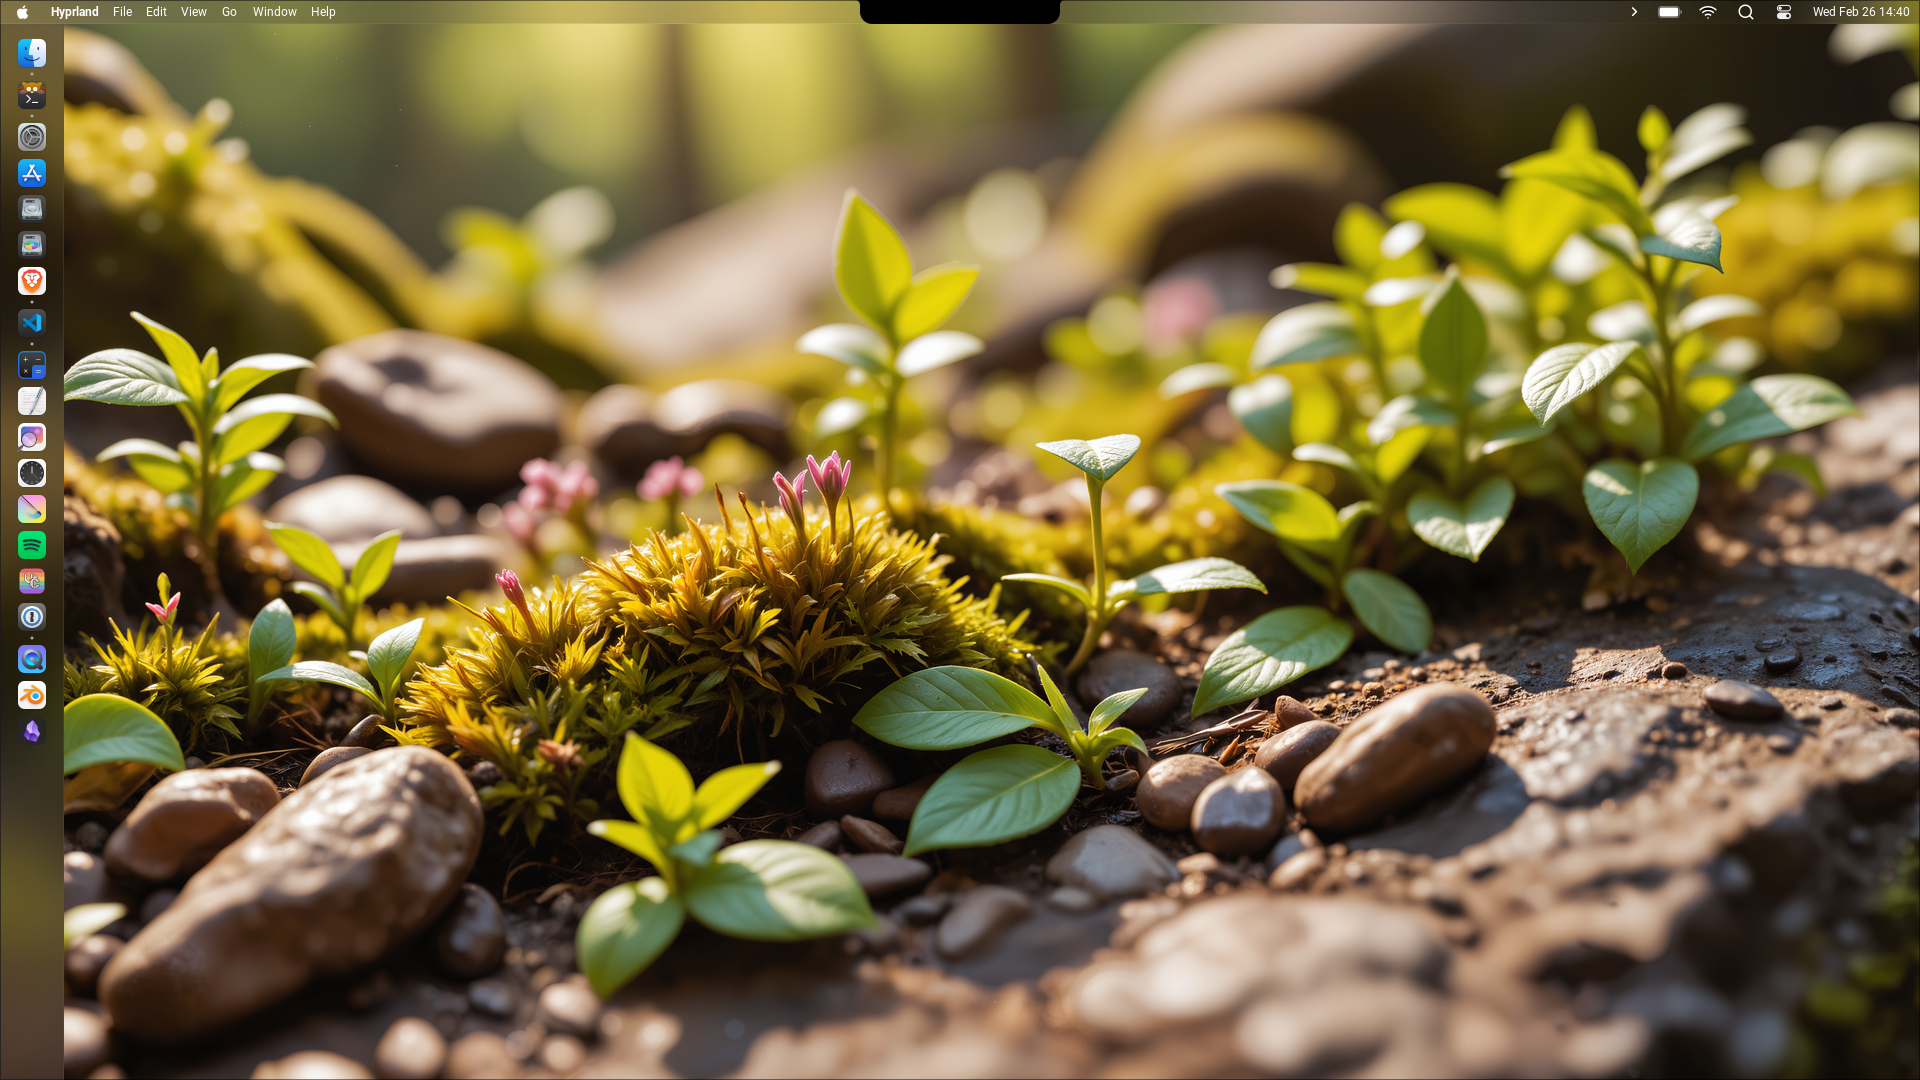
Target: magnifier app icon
1746,11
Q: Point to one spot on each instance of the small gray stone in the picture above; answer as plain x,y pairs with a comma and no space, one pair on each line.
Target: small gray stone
428,571
1111,862
1674,669
571,1008
1782,661
977,917
884,937
1240,813
899,803
843,777
1742,701
312,1065
156,903
1285,754
347,508
563,1054
86,880
471,938
1119,670
412,1049
693,413
1832,701
1072,900
496,997
330,758
1290,712
617,425
880,875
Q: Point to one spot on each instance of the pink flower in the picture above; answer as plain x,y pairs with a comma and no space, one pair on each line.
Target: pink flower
830,477
669,477
509,583
574,485
552,487
1176,310
793,500
165,614
519,521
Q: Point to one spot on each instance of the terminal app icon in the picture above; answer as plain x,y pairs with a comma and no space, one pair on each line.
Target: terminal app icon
33,95
32,660
33,52
33,509
33,616
32,172
32,279
33,436
32,400
33,581
31,544
33,694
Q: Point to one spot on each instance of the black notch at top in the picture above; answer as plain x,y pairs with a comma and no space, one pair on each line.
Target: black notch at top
1013,13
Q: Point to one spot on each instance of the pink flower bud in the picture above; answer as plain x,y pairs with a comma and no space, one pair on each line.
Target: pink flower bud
692,480
519,521
663,477
165,614
509,583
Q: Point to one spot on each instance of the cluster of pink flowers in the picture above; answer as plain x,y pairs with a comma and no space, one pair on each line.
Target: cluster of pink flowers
670,477
565,490
830,479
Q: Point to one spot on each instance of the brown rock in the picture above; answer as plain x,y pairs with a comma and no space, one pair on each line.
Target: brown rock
1738,700
900,803
825,836
870,836
330,758
471,938
92,572
571,1008
328,881
977,917
312,1065
186,820
883,874
412,1049
86,881
1240,813
1167,792
86,959
1395,754
1289,712
843,777
367,733
1298,869
1285,754
84,1045
1119,670
479,1055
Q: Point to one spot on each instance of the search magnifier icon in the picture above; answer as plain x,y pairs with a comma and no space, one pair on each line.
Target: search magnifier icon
1746,11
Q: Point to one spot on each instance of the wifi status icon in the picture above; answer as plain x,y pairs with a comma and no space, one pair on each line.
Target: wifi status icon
1707,10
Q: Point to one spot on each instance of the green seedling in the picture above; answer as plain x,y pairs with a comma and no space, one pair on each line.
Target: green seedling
270,645
111,745
761,890
387,658
1005,792
225,462
337,594
903,312
1100,460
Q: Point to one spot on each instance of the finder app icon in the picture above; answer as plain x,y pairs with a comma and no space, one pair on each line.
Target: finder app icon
33,52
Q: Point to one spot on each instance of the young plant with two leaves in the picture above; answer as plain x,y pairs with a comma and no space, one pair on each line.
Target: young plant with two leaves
1004,792
903,312
1100,459
339,595
270,644
225,462
761,890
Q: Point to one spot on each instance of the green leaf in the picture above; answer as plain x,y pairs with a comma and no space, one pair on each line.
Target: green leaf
1461,221
1765,460
1329,454
1105,742
323,671
1560,375
372,568
698,851
945,708
777,890
1769,405
1641,507
1703,138
1453,340
270,644
187,373
243,375
1195,575
273,405
1463,530
322,597
1113,708
994,796
387,655
936,350
850,343
870,262
625,930
1535,220
635,838
241,480
936,293
1694,240
1323,278
1064,723
1392,292
1654,130
1524,431
1099,458
840,414
236,441
1591,174
1268,653
1264,408
309,553
1405,412
85,920
106,728
158,465
1386,606
122,377
656,789
1356,236
728,790
1286,510
1711,309
1071,588
1308,332
1196,377
146,447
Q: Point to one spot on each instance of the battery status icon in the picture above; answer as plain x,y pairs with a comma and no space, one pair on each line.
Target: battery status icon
1670,11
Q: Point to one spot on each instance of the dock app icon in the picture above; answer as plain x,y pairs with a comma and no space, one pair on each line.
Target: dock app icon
33,172
32,280
32,400
33,322
31,659
33,510
31,544
33,436
33,581
33,365
33,52
33,694
33,95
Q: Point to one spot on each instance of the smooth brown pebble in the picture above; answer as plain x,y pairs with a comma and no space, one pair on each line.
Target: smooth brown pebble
977,917
825,836
86,959
1167,792
479,1055
1395,754
899,803
563,1054
84,1042
870,836
1298,869
1240,813
843,777
1118,670
570,1008
187,819
880,875
329,759
471,937
367,733
1674,669
1285,754
1738,700
1290,712
312,1065
412,1049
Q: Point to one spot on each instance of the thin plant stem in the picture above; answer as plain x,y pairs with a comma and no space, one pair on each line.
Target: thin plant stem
1097,612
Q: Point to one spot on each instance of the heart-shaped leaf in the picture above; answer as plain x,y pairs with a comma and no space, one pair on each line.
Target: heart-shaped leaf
1264,408
102,728
625,930
1387,607
1453,340
777,890
1641,507
1462,529
945,708
1286,510
936,293
1099,458
850,343
122,377
935,350
728,790
1561,374
870,262
1196,377
1308,332
1769,405
994,796
1268,653
1195,575
1694,240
